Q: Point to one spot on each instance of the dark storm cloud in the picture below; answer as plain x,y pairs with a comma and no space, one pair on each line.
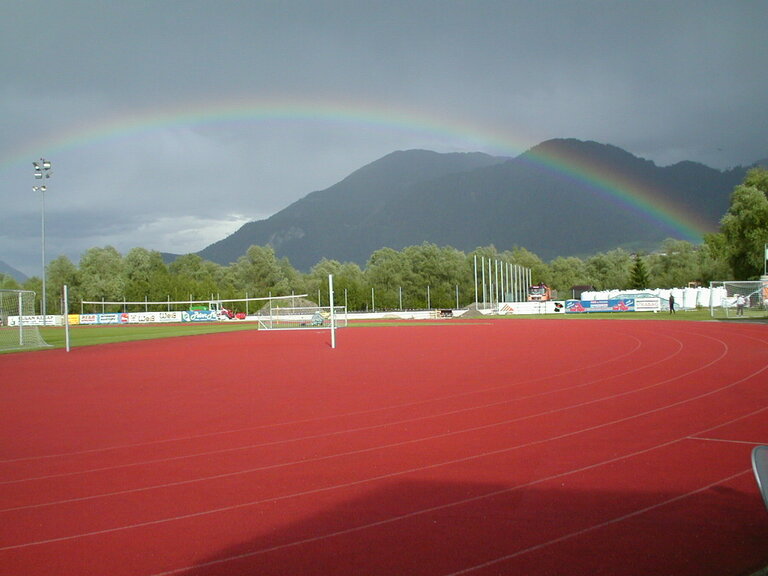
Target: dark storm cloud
668,81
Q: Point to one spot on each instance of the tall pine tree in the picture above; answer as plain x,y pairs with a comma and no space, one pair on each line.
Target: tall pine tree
638,276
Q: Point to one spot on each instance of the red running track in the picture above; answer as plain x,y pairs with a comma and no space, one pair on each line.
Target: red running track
488,447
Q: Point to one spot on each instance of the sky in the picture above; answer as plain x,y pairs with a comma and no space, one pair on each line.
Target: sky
169,124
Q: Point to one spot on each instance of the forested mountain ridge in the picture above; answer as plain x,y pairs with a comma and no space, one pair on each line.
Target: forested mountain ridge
537,200
316,226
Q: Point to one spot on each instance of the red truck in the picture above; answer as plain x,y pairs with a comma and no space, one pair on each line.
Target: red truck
539,293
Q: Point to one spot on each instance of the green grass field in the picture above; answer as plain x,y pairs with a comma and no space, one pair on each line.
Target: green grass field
94,335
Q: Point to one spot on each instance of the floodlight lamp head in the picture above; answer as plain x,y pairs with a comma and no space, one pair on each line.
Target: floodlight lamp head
41,166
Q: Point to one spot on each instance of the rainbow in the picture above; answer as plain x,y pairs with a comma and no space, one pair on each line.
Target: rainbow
464,135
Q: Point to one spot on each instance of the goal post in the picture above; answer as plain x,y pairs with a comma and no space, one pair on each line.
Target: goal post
218,307
739,299
19,326
280,317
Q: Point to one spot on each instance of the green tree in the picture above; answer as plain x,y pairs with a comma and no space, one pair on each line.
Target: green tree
259,272
713,260
387,273
146,275
62,271
192,278
609,270
540,270
433,275
349,284
316,281
101,274
675,265
350,287
745,226
638,277
8,282
35,284
566,273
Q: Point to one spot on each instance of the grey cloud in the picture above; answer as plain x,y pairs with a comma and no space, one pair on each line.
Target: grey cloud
666,80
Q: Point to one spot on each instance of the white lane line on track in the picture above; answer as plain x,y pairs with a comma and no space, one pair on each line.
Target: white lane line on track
723,440
638,345
363,450
363,428
418,469
578,533
468,501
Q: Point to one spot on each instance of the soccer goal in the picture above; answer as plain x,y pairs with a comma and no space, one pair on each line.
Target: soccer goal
744,299
276,317
18,323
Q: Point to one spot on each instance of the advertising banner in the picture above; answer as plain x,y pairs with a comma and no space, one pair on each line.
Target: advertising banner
199,316
647,304
143,317
547,307
47,320
152,317
611,305
111,318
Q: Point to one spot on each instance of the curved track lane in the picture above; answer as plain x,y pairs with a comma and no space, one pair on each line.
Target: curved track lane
501,447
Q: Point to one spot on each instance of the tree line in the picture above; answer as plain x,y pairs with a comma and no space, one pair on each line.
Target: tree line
416,276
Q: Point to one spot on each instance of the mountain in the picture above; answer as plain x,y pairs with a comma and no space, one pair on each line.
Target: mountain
9,270
560,198
320,224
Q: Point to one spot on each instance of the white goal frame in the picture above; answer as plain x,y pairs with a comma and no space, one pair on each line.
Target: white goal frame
306,317
214,303
724,298
19,326
303,317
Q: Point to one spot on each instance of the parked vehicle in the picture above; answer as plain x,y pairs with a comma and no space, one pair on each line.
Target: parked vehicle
539,293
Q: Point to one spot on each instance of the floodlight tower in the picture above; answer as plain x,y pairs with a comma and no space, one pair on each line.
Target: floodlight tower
42,172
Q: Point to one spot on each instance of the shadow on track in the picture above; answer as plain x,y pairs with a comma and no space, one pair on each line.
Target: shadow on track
431,528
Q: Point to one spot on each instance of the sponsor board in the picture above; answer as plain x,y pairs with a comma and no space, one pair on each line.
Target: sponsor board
47,320
145,317
152,317
199,316
647,304
118,318
610,305
546,307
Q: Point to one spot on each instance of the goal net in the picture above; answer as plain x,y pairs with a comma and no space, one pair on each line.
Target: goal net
276,317
732,299
18,323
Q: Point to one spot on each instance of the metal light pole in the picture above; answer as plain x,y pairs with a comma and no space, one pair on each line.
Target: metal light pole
765,261
42,172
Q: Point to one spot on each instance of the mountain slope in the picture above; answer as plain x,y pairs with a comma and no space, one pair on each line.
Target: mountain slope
9,270
314,227
557,199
